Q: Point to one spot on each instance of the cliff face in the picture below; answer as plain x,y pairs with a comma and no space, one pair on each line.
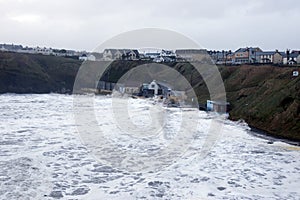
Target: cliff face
266,97
28,73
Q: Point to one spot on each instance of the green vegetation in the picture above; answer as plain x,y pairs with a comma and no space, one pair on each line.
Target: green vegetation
266,97
28,73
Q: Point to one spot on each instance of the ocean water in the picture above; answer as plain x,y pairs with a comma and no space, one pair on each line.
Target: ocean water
49,150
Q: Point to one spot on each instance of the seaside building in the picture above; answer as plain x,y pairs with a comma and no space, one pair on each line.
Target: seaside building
246,55
271,57
217,106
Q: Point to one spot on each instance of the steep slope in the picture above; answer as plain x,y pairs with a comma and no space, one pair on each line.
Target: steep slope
267,97
27,73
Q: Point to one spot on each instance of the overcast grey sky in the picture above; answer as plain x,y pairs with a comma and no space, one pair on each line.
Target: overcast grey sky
214,24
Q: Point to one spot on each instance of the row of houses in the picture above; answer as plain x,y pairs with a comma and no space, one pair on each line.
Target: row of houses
254,55
42,50
107,55
134,54
247,55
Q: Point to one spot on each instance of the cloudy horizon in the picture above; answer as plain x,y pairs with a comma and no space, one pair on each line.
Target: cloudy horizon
83,25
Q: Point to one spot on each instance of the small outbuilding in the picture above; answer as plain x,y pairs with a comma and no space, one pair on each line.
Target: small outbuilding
217,106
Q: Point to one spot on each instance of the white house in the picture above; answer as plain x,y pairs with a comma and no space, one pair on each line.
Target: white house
107,55
291,58
167,53
154,86
83,57
91,57
274,57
